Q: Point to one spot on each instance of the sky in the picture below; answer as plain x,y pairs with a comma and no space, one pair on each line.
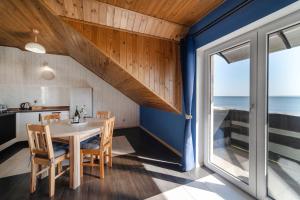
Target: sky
284,75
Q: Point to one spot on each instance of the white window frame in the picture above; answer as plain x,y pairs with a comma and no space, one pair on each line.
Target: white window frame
252,39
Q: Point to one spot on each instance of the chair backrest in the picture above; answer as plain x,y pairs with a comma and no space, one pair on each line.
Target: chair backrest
107,134
103,114
39,139
51,118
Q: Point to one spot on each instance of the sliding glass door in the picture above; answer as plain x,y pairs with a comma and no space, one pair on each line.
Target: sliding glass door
253,115
281,94
283,180
232,69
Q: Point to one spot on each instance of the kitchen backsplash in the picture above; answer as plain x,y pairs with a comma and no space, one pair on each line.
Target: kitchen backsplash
13,95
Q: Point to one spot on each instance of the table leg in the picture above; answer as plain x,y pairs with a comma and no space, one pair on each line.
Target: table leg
74,148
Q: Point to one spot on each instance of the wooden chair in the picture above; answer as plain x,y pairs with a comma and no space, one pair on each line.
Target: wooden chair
103,114
101,148
51,118
54,117
45,153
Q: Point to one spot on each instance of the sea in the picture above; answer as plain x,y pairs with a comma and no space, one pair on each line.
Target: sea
276,104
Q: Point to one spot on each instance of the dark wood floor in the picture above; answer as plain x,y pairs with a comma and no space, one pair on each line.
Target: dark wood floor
151,170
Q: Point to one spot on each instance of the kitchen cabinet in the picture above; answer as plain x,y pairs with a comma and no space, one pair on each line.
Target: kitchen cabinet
7,127
24,118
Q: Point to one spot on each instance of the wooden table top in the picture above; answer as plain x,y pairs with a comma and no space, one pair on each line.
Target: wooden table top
64,128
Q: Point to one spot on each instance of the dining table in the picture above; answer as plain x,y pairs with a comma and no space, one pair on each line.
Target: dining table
76,132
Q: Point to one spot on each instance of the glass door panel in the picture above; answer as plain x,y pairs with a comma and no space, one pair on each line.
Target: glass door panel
230,110
283,143
231,138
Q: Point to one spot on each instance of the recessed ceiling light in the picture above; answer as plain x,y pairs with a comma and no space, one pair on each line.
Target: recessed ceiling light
34,46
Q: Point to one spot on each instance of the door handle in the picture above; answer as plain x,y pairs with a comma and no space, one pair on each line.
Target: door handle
252,106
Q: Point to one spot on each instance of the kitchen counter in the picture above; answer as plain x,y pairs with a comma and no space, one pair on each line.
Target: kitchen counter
2,114
43,109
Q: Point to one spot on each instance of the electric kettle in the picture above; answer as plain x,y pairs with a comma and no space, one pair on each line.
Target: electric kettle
25,106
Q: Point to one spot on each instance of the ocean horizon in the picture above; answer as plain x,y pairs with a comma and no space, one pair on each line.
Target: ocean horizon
276,104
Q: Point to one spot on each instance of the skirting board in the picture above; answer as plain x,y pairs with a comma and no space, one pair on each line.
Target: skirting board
125,127
161,141
9,143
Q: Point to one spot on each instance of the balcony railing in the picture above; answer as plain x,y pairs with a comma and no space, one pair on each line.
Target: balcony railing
231,127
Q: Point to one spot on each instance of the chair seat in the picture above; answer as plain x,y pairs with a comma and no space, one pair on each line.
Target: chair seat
58,148
96,137
91,143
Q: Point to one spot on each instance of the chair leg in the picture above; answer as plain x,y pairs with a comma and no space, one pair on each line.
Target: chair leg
110,156
33,177
51,180
92,160
59,167
101,164
106,153
81,164
40,167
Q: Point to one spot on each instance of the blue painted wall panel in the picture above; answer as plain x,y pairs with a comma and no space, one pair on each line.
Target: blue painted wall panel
170,126
167,126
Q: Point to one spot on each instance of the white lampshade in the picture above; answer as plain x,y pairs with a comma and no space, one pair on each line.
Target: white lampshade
48,73
35,47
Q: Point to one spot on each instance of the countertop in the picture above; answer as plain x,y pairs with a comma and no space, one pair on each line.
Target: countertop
43,109
2,114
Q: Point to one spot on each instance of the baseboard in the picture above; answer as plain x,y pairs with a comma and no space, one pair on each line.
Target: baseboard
8,144
12,150
125,127
161,141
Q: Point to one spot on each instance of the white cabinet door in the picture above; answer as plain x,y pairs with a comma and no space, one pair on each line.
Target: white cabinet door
22,120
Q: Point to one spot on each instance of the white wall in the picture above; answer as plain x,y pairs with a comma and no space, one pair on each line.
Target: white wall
20,81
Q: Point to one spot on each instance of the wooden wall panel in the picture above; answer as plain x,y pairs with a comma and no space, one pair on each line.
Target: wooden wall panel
142,57
103,14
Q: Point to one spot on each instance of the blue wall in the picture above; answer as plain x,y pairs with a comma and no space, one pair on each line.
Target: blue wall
169,126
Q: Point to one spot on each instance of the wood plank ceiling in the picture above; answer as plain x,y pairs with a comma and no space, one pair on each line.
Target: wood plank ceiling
183,12
143,67
167,19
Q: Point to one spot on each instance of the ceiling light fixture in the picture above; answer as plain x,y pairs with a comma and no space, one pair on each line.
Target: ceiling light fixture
47,72
34,46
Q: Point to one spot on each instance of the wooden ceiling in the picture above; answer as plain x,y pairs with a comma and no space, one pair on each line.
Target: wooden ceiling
184,12
167,19
18,18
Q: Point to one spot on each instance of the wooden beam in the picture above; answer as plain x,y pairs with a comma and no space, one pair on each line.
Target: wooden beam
103,14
